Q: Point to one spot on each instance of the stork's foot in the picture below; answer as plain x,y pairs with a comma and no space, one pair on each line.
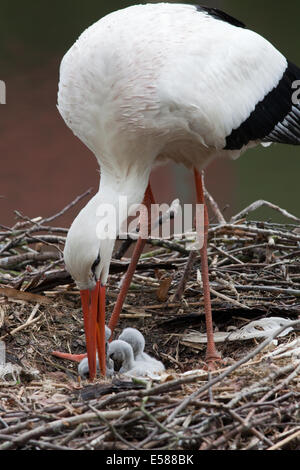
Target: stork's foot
69,357
213,361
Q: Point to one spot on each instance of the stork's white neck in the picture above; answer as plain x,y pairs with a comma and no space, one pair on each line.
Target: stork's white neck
116,190
85,240
119,194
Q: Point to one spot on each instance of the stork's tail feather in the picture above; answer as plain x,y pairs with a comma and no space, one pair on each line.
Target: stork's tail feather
276,118
287,129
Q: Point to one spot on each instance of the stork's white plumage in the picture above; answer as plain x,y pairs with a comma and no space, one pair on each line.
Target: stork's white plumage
160,82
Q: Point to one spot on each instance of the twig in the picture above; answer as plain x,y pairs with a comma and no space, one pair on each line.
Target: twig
47,445
56,426
185,277
68,207
215,207
11,261
256,205
229,299
26,296
286,441
230,369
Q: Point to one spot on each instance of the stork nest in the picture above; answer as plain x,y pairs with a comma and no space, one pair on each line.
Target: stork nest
250,402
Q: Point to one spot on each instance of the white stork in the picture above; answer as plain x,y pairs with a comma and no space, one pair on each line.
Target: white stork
158,82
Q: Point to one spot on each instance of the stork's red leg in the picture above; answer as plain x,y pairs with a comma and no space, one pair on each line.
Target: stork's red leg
70,357
148,200
100,329
211,352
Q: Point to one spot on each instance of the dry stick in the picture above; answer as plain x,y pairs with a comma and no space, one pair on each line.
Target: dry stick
214,206
185,277
286,441
225,438
226,254
157,391
228,284
56,426
68,207
169,245
39,240
157,423
94,442
198,404
268,404
28,238
26,296
231,369
78,430
233,430
288,433
28,322
229,299
111,428
275,290
4,437
49,219
47,445
285,382
9,244
252,247
41,271
257,205
260,386
18,427
254,230
276,389
47,239
10,261
4,424
251,428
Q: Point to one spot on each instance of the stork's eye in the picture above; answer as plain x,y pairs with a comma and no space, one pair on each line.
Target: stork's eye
94,265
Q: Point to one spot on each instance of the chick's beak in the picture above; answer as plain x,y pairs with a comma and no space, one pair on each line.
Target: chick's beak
93,306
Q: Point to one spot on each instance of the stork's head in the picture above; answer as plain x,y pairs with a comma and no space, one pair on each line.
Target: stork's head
121,353
87,258
87,252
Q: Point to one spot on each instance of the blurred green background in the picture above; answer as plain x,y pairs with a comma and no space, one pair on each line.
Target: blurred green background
43,166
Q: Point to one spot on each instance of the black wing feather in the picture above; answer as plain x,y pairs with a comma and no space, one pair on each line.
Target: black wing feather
275,119
220,15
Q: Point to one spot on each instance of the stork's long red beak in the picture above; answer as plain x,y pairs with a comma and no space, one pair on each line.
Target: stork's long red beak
93,306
